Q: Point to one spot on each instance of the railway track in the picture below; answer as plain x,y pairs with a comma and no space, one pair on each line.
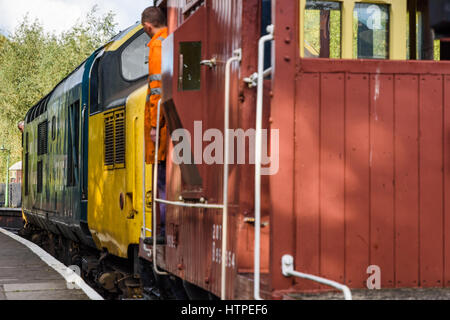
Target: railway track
383,294
11,219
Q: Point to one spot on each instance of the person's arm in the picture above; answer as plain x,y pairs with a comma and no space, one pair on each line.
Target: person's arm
156,69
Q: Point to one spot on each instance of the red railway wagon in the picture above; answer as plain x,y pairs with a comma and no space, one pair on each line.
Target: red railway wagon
362,145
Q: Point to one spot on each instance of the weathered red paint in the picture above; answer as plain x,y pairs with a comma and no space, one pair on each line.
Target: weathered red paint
364,163
375,176
370,168
370,180
192,257
382,176
282,192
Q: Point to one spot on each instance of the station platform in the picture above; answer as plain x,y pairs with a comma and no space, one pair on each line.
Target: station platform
29,273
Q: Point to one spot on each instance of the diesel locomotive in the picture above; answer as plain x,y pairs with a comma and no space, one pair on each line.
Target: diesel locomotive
357,137
82,151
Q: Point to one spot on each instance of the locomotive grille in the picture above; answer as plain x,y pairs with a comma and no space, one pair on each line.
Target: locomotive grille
42,138
115,139
109,140
120,138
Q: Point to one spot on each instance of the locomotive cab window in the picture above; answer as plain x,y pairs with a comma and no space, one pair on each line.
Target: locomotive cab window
121,71
135,58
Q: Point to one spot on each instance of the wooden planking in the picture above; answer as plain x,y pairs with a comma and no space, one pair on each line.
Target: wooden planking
431,207
406,181
446,222
357,183
332,176
381,194
382,177
307,169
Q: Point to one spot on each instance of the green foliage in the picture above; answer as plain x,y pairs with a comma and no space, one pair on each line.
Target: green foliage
2,41
33,62
335,34
437,50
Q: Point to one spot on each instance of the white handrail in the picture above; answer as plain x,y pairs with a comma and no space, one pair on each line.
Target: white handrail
144,209
252,81
258,160
155,192
288,271
237,55
287,261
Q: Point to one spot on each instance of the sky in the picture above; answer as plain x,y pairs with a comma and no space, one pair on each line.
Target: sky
60,15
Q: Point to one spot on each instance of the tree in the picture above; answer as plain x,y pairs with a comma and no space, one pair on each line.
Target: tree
33,62
2,41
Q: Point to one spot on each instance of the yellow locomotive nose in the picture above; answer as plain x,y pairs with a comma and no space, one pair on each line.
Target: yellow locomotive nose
116,138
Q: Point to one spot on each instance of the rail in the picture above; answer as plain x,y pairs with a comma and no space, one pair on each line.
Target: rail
237,56
288,271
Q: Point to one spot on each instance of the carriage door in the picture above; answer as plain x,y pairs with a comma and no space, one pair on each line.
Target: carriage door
184,95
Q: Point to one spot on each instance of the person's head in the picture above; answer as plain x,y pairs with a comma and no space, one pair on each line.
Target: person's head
153,19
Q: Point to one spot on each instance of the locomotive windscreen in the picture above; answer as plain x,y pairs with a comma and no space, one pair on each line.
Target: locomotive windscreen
123,71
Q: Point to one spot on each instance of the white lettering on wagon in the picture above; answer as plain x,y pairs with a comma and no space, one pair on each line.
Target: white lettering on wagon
217,249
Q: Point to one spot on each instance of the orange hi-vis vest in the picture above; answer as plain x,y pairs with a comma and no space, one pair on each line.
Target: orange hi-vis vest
153,97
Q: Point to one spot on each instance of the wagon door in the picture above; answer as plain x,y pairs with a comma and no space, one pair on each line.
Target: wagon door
186,96
367,178
194,65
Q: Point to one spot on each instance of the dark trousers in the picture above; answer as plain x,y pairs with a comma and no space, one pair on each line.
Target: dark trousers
162,195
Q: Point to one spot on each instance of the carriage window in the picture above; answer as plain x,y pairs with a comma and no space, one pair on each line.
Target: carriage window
191,6
323,29
53,128
266,20
371,31
418,47
190,72
27,160
73,143
135,58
